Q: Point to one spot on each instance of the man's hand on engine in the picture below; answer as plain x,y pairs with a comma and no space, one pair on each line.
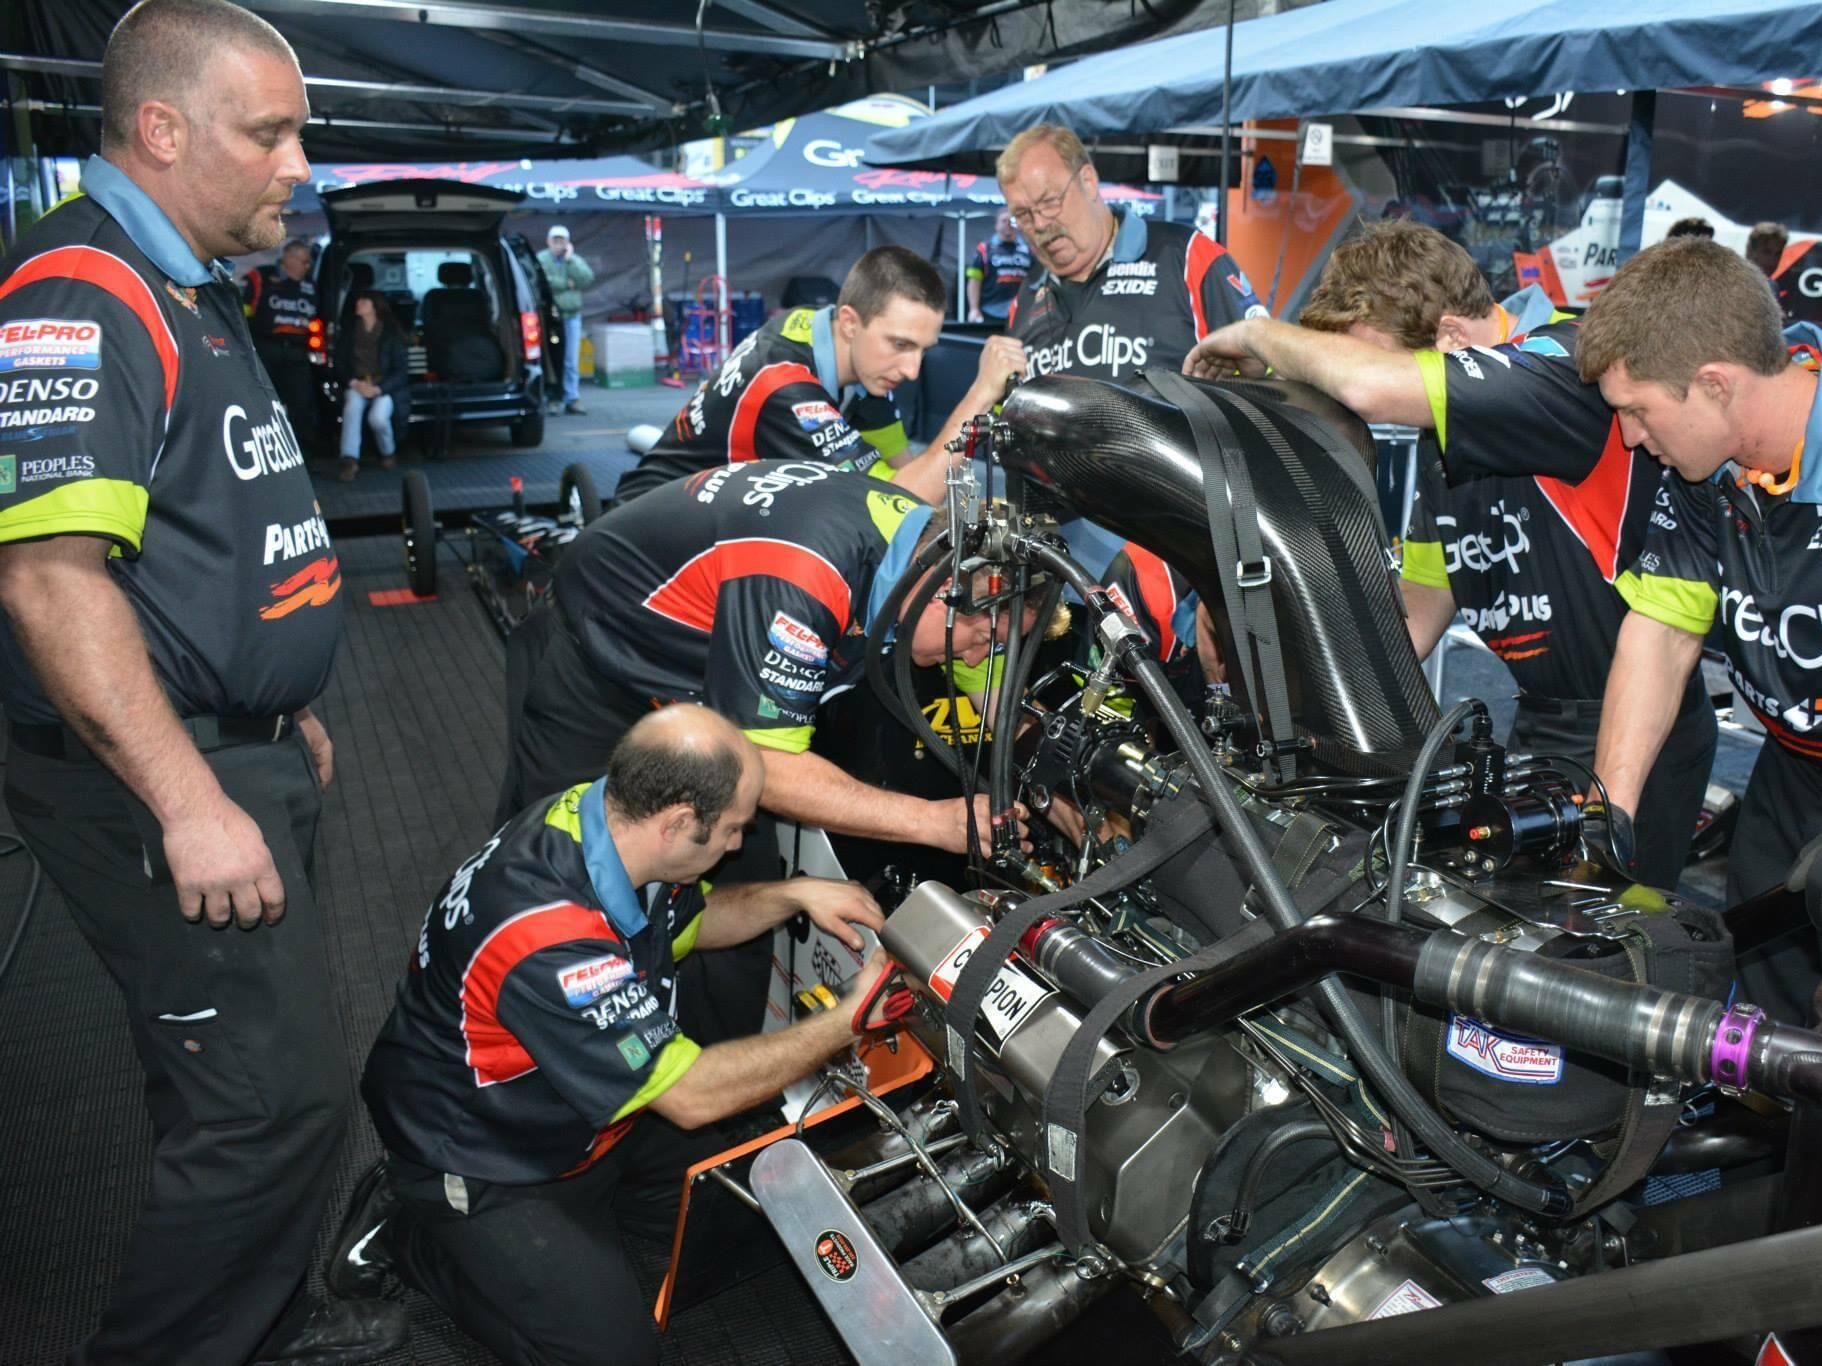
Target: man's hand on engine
1002,359
1607,838
949,830
867,1003
1224,354
836,907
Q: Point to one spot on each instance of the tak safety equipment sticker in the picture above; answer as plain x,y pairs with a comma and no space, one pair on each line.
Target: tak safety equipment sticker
1504,1057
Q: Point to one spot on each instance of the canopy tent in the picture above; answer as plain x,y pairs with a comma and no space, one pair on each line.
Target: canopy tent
559,186
418,80
1348,56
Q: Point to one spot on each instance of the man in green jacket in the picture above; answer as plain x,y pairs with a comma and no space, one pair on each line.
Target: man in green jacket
569,275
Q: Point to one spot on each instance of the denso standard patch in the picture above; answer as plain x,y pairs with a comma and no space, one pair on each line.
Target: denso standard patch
50,344
589,981
790,636
816,414
1504,1057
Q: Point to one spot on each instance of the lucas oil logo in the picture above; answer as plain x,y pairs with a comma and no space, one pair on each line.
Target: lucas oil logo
790,636
50,344
587,982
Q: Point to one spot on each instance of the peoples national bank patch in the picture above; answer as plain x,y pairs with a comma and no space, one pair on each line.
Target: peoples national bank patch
50,344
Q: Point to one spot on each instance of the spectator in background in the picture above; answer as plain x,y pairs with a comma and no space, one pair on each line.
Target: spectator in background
1691,227
569,275
998,270
280,301
1765,246
372,365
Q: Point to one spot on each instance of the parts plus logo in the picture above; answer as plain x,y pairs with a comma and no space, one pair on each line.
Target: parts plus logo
835,1255
50,344
315,585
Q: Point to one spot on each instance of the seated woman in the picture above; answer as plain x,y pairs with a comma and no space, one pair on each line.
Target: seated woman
370,362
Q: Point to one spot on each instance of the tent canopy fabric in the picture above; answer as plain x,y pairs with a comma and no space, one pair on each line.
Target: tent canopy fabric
808,167
1345,56
557,187
423,80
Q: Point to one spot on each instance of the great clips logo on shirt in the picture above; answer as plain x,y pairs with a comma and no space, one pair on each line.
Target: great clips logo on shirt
50,344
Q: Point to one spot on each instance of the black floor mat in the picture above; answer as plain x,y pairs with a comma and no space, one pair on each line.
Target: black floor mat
415,710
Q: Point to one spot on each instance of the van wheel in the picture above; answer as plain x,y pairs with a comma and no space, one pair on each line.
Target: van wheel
529,430
576,492
420,525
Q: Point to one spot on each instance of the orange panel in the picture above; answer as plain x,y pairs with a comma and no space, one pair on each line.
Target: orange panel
887,1071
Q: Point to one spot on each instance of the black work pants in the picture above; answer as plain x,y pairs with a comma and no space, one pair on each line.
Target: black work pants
1664,825
245,1077
1780,813
295,378
539,1275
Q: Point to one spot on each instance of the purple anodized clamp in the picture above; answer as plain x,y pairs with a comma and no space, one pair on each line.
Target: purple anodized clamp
1732,1049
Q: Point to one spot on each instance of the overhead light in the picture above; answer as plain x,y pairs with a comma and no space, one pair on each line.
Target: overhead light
1783,86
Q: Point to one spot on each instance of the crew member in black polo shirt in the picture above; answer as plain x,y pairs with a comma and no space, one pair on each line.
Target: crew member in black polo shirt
1530,503
816,384
172,608
281,304
997,272
750,588
1113,292
536,1091
1689,352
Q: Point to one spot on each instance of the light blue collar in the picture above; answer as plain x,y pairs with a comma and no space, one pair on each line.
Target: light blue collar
613,888
1530,308
144,222
822,343
1129,239
897,560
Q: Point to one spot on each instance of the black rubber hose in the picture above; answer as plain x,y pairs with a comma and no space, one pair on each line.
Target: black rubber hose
1384,1074
1400,863
1298,1131
1021,658
906,690
906,708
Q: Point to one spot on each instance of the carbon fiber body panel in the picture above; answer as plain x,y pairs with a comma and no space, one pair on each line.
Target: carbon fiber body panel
1126,460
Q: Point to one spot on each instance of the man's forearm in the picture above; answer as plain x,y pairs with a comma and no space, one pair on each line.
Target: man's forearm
739,911
1379,385
737,1075
810,790
1645,684
83,642
974,295
1428,612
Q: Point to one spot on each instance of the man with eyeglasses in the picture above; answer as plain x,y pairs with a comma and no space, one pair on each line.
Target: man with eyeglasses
1113,292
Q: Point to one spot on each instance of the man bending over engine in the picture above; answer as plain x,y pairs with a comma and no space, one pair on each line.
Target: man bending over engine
536,1028
1685,344
750,588
1529,502
816,384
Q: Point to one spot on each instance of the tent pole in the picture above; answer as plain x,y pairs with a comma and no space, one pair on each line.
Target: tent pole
961,267
724,303
1638,171
1227,125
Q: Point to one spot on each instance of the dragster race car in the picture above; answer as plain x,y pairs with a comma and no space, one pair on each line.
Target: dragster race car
1330,1035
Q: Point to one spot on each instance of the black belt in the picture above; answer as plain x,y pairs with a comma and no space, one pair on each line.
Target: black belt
1580,707
209,733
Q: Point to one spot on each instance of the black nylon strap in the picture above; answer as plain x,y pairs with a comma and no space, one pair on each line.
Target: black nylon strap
1186,822
1233,523
1072,1089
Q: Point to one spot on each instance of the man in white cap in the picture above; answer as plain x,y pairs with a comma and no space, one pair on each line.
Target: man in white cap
569,275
